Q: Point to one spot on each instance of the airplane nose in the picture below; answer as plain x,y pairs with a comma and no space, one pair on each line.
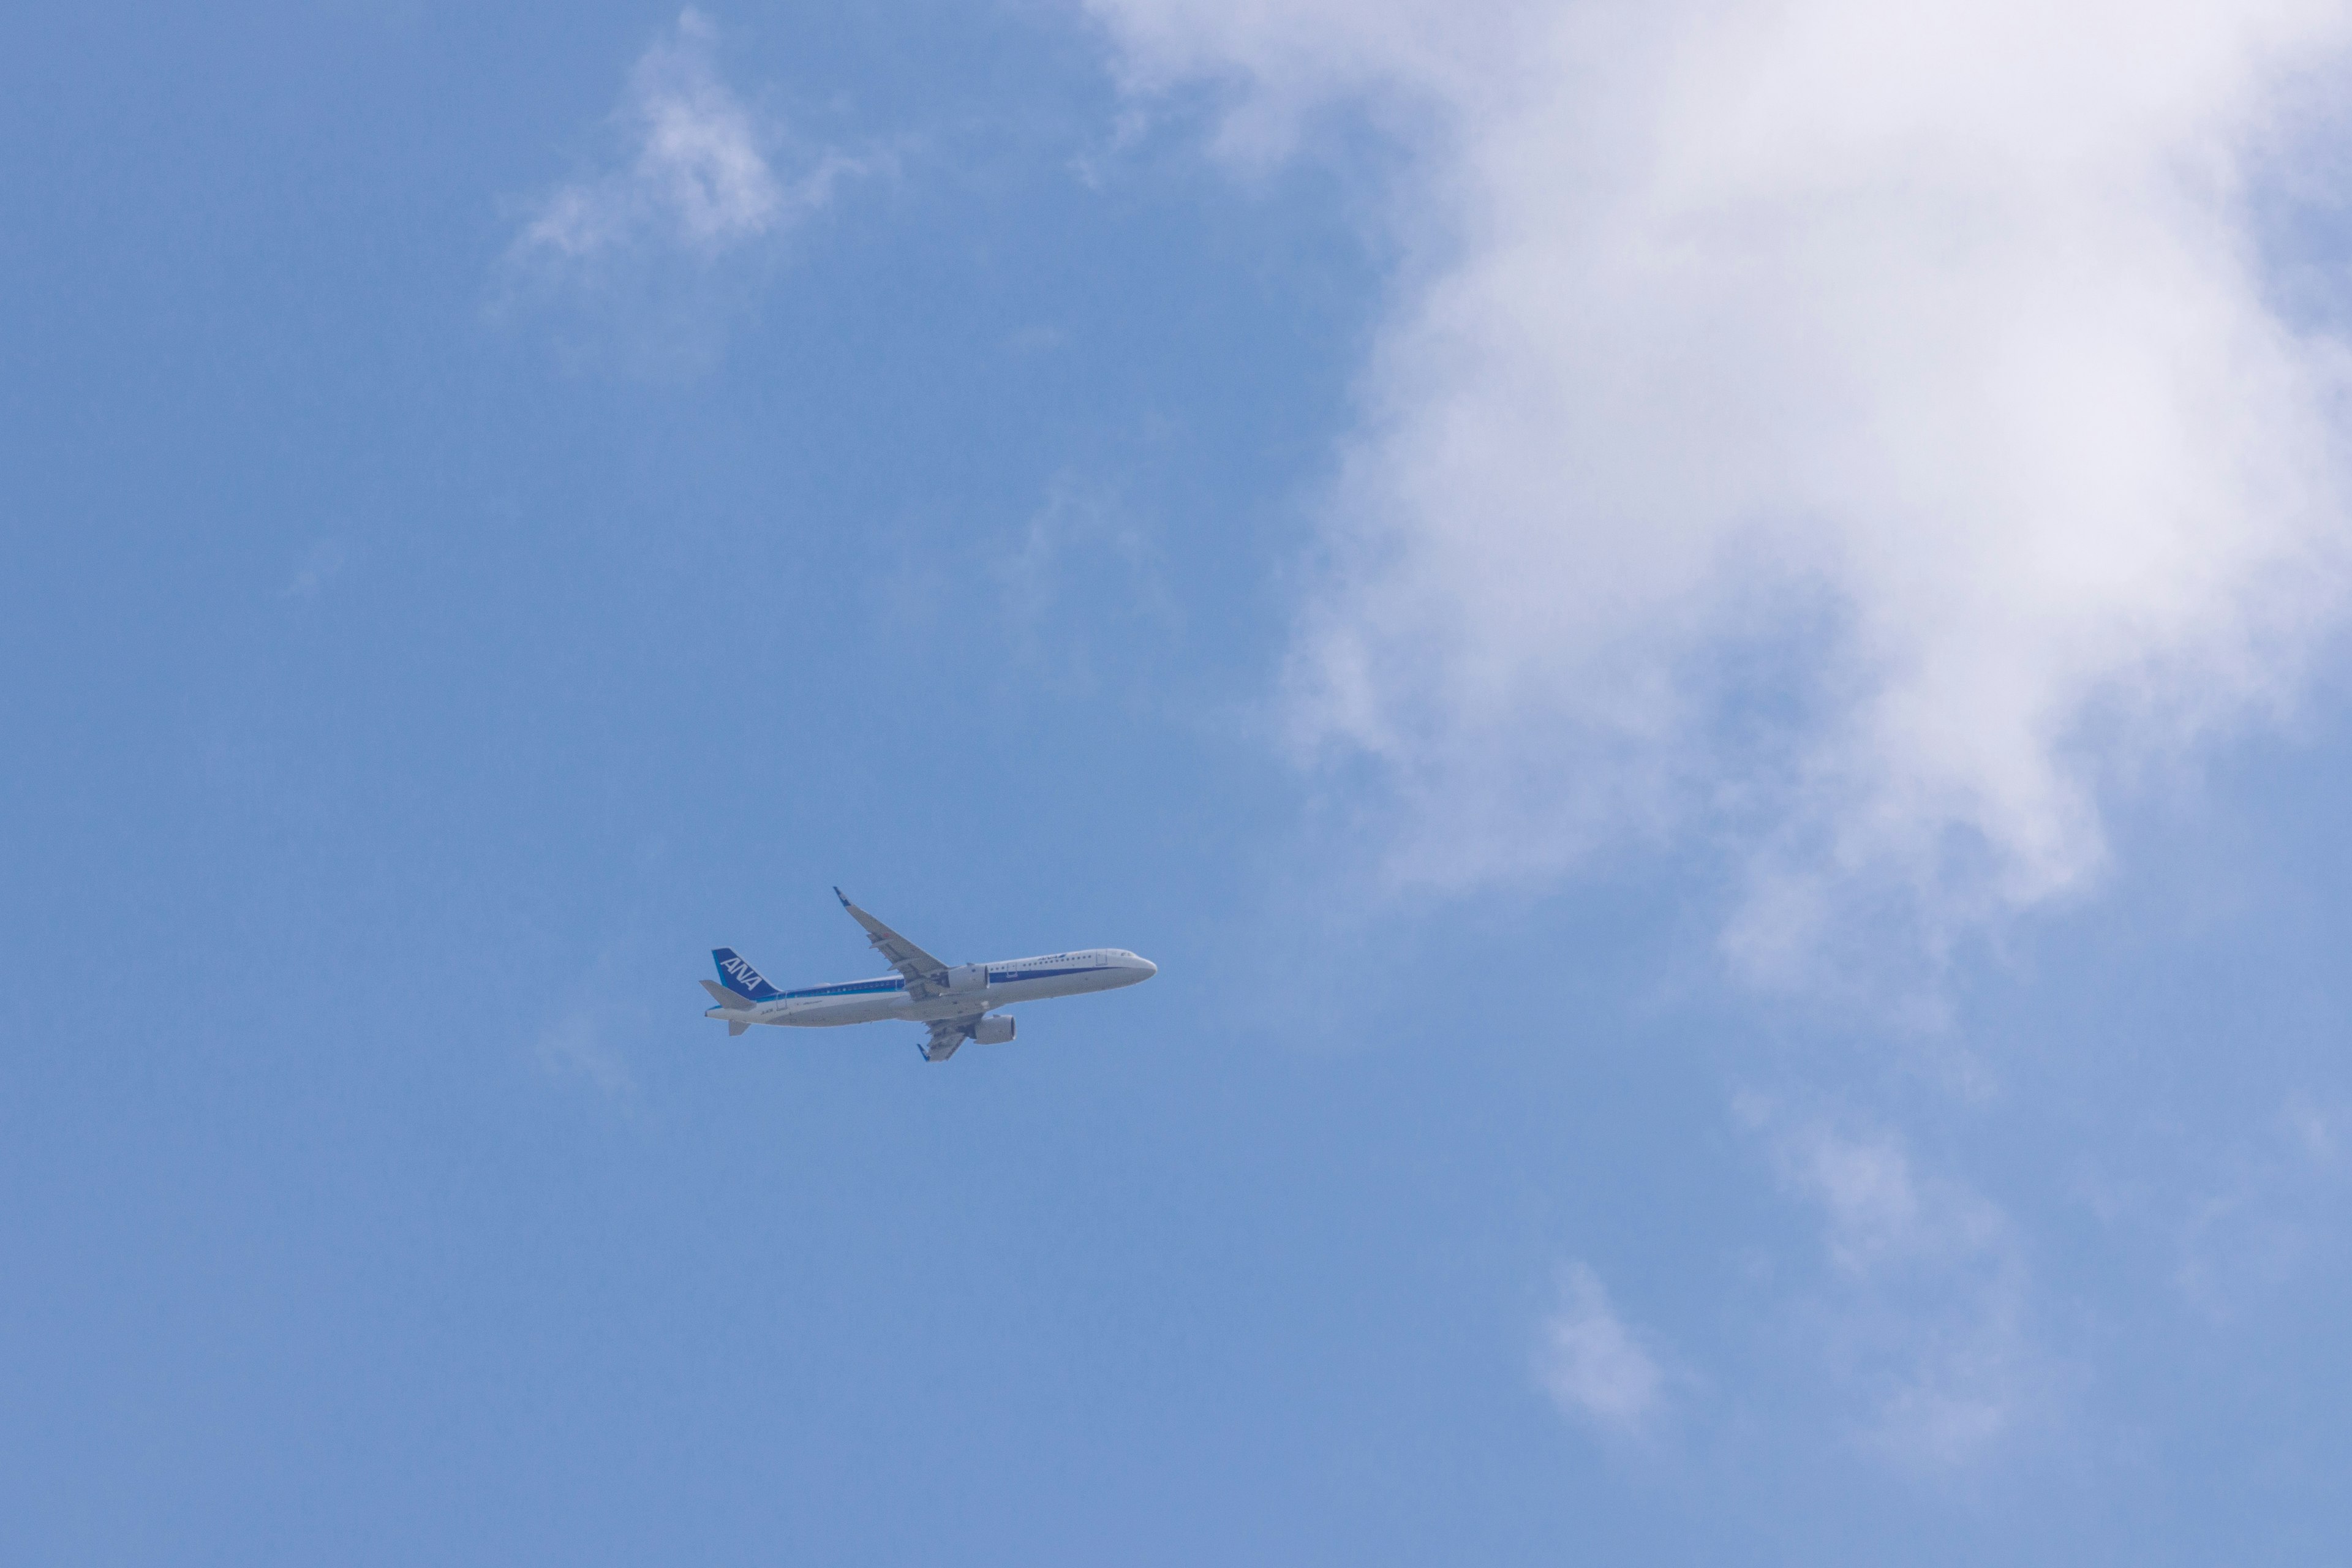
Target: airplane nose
1149,968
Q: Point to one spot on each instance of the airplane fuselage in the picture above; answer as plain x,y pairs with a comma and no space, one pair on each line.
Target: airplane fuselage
969,989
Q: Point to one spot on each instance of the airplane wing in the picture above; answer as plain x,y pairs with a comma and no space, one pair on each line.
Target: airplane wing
924,974
947,1034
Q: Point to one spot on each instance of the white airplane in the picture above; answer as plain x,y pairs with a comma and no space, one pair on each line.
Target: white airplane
954,999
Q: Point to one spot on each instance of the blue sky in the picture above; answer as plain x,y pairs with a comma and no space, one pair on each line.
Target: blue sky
1728,990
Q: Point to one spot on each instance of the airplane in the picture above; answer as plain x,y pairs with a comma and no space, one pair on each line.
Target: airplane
952,1000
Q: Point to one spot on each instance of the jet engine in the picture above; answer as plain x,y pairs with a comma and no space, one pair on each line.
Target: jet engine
993,1030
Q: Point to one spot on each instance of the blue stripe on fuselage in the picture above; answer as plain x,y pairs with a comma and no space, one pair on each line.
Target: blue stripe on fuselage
995,977
1012,977
860,989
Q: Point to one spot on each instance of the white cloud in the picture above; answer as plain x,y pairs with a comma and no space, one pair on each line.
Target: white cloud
699,179
319,566
1593,1365
1083,546
1924,1319
2262,1210
573,1046
1846,433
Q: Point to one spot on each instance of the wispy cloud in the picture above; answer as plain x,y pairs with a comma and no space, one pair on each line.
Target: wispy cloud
1083,555
575,1045
2264,1208
320,565
1844,433
1595,1368
703,179
1925,1315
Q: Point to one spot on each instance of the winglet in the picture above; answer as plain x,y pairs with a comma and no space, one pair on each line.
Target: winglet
920,969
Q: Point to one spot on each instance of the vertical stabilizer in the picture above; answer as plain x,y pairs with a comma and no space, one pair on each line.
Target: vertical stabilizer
736,974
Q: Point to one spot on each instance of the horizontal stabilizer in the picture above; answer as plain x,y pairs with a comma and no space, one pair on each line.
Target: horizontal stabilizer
736,1027
724,997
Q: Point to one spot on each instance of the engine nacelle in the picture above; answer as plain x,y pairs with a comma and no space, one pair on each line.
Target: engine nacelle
965,979
993,1030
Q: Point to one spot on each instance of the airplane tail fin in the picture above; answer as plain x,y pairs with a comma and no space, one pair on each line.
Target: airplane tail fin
736,974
